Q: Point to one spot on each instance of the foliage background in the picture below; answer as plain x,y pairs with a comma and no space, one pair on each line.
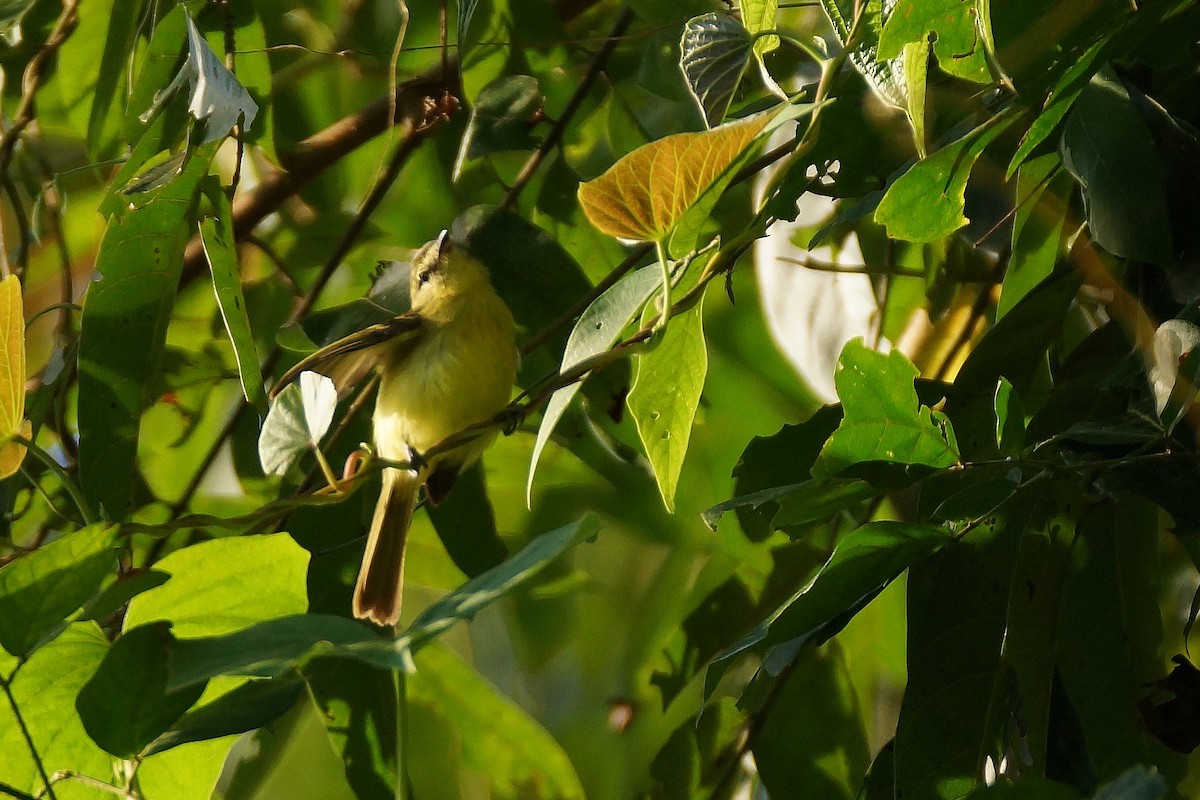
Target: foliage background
1043,496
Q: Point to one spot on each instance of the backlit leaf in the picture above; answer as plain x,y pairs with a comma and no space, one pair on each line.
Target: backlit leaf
665,394
957,43
12,376
759,16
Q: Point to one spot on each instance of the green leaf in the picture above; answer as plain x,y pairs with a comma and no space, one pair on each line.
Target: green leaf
502,118
861,565
495,737
759,16
665,395
40,589
252,705
1110,632
811,742
466,525
44,690
1108,148
1010,419
1039,228
883,420
110,76
953,714
713,54
915,62
926,202
120,592
216,234
126,705
271,648
598,329
223,585
955,42
12,377
299,417
125,321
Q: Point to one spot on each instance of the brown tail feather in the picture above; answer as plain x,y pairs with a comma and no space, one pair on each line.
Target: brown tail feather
377,594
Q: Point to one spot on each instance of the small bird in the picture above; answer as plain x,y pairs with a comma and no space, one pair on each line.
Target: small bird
446,364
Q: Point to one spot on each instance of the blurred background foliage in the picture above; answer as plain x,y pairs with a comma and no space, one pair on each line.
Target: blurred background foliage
1011,185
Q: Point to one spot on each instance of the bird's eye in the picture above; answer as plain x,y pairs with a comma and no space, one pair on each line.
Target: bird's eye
423,277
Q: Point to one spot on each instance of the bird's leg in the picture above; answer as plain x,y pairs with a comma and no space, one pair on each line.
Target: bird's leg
512,418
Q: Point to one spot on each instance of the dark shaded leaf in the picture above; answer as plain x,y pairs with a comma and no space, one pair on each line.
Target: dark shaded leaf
249,706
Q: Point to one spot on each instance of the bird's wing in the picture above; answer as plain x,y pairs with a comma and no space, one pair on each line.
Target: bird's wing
348,360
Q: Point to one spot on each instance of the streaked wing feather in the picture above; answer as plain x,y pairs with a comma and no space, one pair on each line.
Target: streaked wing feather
348,360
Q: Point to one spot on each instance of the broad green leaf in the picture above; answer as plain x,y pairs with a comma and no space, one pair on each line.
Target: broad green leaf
883,419
216,235
649,192
860,567
665,394
44,690
956,42
270,648
495,736
1108,148
12,377
758,16
189,772
954,712
887,77
110,75
1038,228
713,54
360,704
252,705
39,590
126,704
915,60
811,742
125,318
120,592
217,98
502,118
223,585
466,525
926,202
1110,633
1173,388
598,329
299,417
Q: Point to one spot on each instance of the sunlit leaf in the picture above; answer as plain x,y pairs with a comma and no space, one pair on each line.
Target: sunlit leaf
1038,228
915,60
298,419
665,394
883,420
226,584
759,16
216,234
12,376
926,202
1010,419
597,329
956,44
646,194
40,589
713,54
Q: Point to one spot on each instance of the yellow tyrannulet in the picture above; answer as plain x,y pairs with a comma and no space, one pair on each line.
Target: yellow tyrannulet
447,363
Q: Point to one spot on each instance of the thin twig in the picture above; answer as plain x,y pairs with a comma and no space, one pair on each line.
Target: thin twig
31,81
556,132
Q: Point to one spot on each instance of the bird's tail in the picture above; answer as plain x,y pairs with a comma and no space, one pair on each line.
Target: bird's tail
377,594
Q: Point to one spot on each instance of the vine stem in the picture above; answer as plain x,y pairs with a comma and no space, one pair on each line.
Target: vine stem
6,686
85,509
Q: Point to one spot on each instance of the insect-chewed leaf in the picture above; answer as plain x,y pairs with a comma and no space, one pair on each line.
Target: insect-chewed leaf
644,195
216,96
713,54
12,375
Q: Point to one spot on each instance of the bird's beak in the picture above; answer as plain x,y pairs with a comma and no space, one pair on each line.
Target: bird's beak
443,243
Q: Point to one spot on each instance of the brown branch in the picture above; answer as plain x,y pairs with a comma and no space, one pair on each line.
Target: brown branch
413,103
31,80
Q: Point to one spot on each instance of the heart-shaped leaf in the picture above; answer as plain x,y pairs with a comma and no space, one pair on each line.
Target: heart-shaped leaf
713,54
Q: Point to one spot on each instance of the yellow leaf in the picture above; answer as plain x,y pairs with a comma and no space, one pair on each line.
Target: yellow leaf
12,375
644,195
